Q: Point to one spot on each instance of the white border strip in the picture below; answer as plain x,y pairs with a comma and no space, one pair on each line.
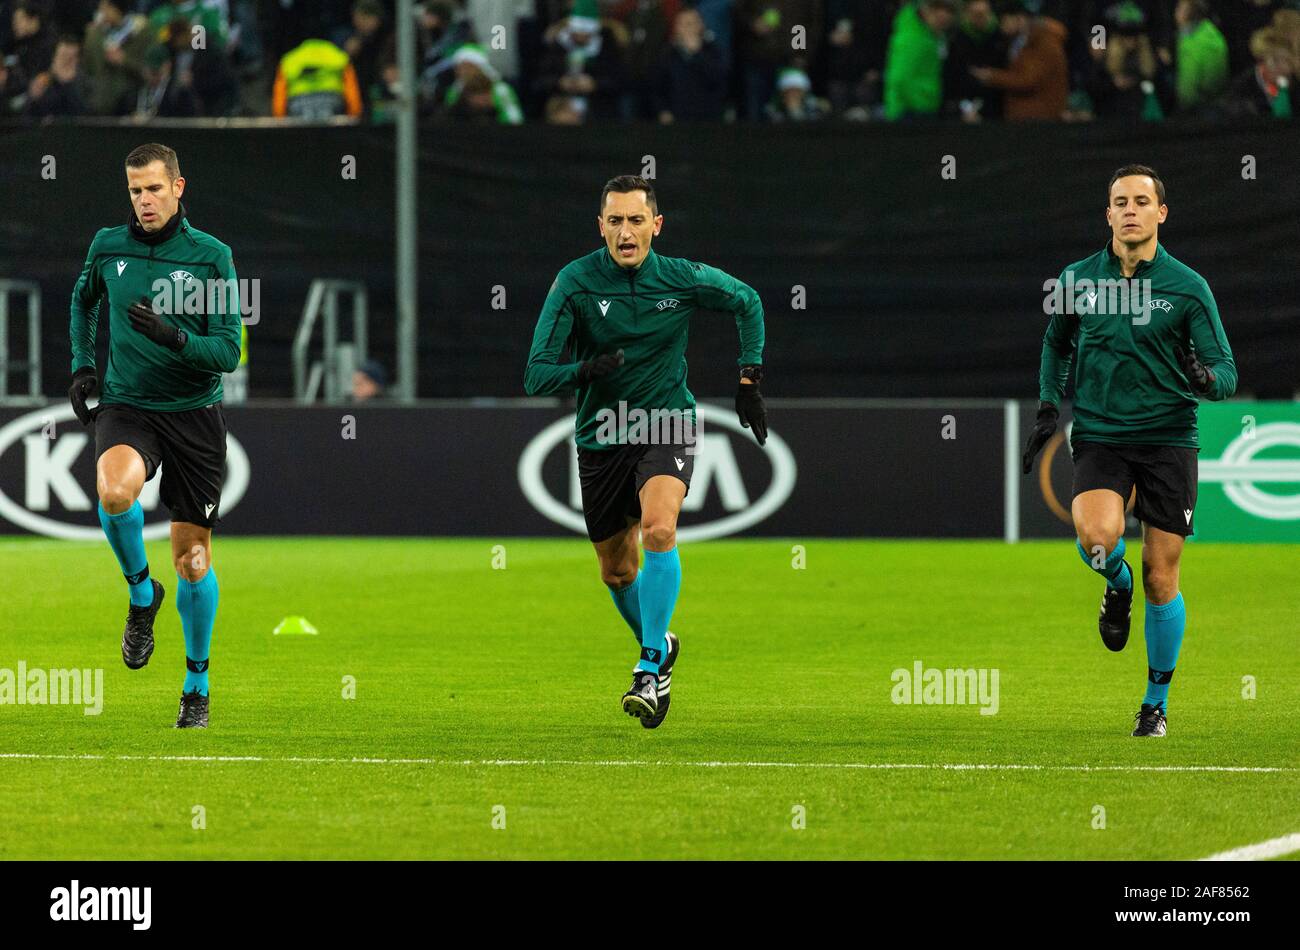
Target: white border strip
637,763
1273,848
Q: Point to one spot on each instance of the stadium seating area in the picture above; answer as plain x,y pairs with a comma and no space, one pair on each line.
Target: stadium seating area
577,61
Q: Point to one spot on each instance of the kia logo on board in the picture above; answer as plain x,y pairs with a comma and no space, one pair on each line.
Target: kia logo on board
717,472
46,475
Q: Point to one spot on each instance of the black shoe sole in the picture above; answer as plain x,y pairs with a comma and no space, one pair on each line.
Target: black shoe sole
637,707
159,593
657,719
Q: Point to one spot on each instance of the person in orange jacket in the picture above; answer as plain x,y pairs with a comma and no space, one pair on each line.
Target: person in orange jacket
1036,83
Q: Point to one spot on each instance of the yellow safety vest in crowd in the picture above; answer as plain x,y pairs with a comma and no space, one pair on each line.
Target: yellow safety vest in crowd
316,80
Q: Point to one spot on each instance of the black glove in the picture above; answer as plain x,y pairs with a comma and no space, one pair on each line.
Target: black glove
85,383
602,365
1044,426
749,406
153,326
1198,374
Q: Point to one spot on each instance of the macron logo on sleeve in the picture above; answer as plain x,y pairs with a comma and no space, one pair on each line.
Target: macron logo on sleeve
604,307
121,266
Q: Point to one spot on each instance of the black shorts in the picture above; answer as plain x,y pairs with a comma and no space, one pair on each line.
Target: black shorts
1165,476
612,480
189,445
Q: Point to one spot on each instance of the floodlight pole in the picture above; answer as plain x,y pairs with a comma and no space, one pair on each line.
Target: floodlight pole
407,292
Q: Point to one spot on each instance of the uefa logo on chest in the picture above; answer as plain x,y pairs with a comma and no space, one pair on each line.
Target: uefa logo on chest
669,304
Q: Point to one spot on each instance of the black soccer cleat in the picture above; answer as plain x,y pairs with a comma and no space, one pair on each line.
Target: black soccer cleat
664,683
1150,721
194,711
642,700
137,637
1116,614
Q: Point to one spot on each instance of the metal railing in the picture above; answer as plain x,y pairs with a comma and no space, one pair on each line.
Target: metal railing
33,362
338,359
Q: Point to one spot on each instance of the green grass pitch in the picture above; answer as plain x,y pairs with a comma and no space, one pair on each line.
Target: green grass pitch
504,686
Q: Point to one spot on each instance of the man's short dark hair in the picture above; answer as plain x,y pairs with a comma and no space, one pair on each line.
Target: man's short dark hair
1128,170
153,152
626,183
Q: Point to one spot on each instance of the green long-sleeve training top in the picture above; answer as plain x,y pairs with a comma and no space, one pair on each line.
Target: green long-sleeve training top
597,306
121,270
1129,386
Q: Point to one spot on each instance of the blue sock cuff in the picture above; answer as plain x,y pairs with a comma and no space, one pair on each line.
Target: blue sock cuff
661,558
1084,553
1114,558
184,583
1165,611
1113,564
621,594
135,511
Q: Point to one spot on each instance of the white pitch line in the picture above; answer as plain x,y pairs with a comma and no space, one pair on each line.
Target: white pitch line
617,763
1272,848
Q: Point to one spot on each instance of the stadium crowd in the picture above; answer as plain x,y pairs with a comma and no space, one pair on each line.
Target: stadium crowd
577,61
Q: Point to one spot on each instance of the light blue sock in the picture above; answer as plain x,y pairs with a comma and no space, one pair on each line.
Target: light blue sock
661,579
1163,627
196,602
1114,569
125,534
628,602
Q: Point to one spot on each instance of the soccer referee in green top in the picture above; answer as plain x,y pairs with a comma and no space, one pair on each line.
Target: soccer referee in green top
1139,374
624,312
161,400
